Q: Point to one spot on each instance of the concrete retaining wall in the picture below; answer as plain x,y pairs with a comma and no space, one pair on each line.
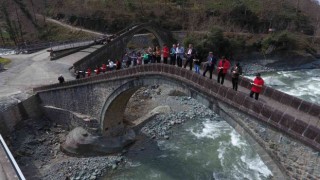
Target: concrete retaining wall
70,119
30,108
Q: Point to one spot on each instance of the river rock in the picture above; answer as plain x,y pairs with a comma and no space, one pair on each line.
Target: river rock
81,142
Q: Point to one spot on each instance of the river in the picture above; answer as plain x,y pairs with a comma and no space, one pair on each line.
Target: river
199,149
304,84
6,51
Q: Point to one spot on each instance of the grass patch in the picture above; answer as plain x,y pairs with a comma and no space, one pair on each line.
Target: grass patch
4,61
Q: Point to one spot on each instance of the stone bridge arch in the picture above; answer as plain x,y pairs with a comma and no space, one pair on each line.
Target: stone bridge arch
116,48
112,113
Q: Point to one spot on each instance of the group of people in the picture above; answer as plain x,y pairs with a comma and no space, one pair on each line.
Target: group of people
154,55
223,67
176,55
111,65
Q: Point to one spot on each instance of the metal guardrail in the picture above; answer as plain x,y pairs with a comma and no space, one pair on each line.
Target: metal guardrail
11,159
30,48
72,45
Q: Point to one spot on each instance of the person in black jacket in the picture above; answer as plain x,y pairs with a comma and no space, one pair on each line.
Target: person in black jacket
236,71
61,79
211,61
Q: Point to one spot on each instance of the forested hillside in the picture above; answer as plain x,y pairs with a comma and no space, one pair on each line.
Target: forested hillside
21,20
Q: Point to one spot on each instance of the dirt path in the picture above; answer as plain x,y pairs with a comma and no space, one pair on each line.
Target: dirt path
72,27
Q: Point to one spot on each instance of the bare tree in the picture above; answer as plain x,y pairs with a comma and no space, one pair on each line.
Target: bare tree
19,23
34,13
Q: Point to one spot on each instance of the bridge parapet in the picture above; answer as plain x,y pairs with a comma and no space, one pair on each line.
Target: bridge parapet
296,117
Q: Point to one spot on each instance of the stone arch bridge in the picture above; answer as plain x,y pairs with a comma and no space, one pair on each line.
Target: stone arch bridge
104,97
117,47
100,95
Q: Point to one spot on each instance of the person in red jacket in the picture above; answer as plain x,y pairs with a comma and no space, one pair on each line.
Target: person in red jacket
223,67
97,70
103,68
88,72
256,86
165,54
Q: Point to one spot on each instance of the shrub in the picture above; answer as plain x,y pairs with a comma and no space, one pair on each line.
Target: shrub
279,41
216,42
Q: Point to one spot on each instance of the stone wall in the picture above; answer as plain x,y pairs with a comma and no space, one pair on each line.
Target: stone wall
29,108
71,120
284,156
86,99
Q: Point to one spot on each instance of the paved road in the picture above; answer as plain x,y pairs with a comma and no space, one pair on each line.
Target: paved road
29,70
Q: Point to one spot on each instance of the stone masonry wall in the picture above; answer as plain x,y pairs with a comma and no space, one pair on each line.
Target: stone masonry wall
71,120
86,99
293,157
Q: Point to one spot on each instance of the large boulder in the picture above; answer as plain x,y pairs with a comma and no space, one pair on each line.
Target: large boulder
80,142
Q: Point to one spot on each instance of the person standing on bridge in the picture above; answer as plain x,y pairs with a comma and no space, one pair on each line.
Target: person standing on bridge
173,55
111,65
97,70
180,54
61,79
152,55
223,67
165,54
88,72
158,54
236,71
146,57
103,67
139,58
134,58
256,86
191,55
211,61
118,64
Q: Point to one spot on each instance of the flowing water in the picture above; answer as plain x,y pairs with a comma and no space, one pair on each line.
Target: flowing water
199,149
304,84
6,51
